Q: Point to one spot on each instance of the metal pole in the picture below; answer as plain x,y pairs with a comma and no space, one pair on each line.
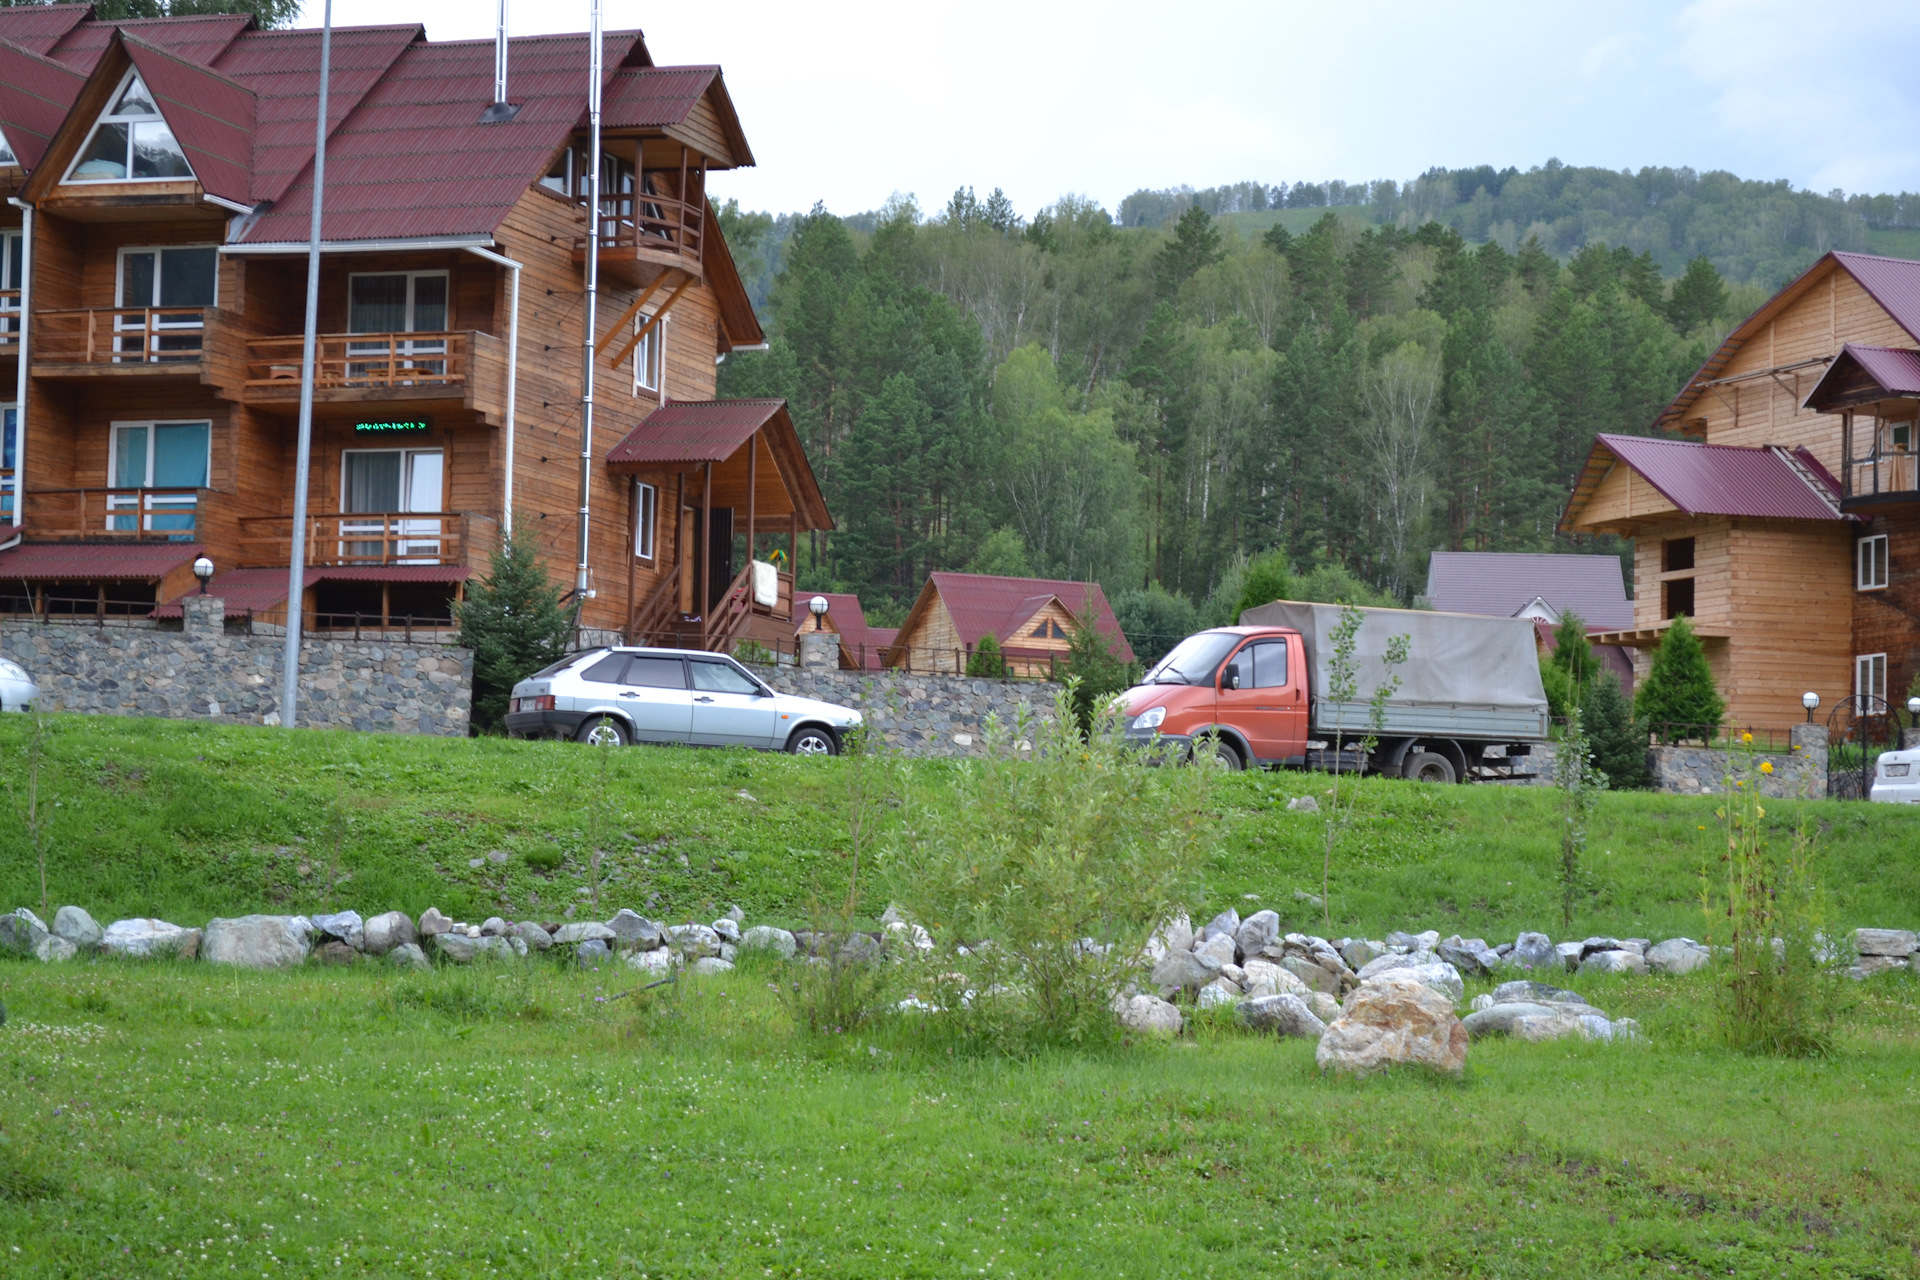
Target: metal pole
590,321
500,58
303,456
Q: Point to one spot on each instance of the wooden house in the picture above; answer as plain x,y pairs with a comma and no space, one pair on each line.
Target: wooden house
1031,620
861,645
153,273
1779,505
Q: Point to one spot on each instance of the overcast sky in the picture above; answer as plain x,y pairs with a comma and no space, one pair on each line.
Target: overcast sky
847,103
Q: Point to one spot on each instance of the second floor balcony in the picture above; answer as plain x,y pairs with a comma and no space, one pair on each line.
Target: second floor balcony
643,234
439,371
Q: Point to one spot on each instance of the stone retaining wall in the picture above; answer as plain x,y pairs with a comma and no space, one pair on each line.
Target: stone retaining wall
1800,772
202,672
919,714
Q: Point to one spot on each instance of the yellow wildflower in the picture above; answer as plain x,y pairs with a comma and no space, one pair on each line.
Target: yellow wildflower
1766,766
1746,737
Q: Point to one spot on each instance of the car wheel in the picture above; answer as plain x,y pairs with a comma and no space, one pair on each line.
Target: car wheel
811,741
1425,766
1221,754
603,731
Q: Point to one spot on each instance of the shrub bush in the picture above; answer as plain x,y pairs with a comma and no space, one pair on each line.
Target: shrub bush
1679,690
986,660
1617,737
513,622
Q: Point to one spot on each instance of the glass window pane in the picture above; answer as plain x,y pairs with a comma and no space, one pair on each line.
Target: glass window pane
136,101
423,481
186,276
106,154
429,304
13,263
156,154
7,431
137,280
377,304
129,457
180,455
373,481
6,152
608,670
658,673
718,677
1270,664
643,522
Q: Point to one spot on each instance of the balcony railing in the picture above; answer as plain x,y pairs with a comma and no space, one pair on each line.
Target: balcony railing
9,318
142,515
120,335
1879,474
658,226
363,360
360,539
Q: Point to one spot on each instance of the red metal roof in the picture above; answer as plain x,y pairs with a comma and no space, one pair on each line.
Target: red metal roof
1724,480
982,604
687,431
40,27
210,115
120,561
1893,282
414,159
197,37
258,590
1894,370
1501,583
652,97
35,95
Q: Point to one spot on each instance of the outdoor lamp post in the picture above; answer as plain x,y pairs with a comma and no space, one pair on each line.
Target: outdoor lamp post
1913,709
1811,701
203,570
818,608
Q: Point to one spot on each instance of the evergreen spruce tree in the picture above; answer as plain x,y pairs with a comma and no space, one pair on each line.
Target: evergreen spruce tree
1698,296
1679,690
1574,656
1615,736
986,660
513,622
1090,658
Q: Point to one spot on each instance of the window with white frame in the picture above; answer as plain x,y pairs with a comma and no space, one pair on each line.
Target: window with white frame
646,501
385,484
175,280
1870,563
12,262
6,152
649,354
172,457
1870,675
131,141
397,302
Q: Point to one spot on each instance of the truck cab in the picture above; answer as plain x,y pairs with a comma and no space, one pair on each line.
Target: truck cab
1244,687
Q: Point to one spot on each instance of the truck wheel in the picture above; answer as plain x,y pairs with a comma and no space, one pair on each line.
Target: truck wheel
1425,766
1225,756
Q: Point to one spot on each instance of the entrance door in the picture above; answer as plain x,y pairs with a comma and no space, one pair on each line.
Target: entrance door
729,709
181,282
390,483
1269,706
165,456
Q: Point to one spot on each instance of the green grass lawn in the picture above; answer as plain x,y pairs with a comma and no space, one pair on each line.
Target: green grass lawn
187,822
166,1120
173,1119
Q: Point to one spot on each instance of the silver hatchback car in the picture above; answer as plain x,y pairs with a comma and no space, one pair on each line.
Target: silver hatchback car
618,696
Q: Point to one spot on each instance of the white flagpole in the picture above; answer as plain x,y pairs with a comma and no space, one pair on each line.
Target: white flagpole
303,464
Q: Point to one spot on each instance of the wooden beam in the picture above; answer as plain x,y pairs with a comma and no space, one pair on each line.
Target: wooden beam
632,311
655,318
703,590
753,475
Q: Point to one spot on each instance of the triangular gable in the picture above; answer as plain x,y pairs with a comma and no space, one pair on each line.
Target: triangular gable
40,27
688,104
1862,375
1695,479
36,93
210,116
739,326
1021,619
113,148
199,38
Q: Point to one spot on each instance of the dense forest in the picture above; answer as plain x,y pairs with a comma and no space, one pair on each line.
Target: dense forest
1150,405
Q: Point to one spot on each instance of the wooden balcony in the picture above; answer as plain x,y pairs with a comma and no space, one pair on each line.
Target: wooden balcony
125,515
1882,477
341,539
643,235
9,322
413,372
129,342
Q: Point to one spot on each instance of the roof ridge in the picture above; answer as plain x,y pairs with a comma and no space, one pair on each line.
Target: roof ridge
1798,466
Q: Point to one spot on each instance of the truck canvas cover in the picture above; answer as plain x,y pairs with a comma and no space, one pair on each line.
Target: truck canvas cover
1456,663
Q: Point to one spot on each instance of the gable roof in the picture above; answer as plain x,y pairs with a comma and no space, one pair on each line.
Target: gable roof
1502,583
1894,283
988,604
40,27
1767,483
210,116
685,433
663,97
36,93
1861,374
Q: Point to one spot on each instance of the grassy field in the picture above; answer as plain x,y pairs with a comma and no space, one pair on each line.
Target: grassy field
188,821
164,1120
171,1119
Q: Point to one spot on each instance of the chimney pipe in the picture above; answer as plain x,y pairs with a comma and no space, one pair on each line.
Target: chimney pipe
500,110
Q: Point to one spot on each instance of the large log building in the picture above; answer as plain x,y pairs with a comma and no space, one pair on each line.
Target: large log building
153,272
1784,517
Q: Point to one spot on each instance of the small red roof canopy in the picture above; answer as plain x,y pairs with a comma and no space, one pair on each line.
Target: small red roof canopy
93,561
686,433
1861,375
1768,483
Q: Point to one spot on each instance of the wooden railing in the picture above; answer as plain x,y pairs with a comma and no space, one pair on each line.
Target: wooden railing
656,224
1890,472
363,360
144,515
120,335
9,317
652,620
726,620
358,538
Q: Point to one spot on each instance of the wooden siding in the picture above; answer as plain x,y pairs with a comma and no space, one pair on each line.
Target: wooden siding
1888,620
1623,499
934,640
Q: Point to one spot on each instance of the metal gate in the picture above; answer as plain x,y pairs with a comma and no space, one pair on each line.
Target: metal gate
1859,728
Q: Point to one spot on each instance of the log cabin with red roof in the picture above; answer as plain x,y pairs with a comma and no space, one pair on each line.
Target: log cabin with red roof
1784,517
1031,620
153,269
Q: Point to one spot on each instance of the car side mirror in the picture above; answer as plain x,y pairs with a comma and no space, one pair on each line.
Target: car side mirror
1230,679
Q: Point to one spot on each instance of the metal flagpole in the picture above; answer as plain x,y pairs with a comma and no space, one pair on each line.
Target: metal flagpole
303,464
591,320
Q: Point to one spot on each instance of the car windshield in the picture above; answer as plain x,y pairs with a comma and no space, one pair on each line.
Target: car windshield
1193,659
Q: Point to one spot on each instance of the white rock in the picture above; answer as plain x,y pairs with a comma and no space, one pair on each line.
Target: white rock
1175,935
53,948
1265,978
145,939
767,938
1284,1015
1219,948
1299,804
77,927
1227,922
903,934
657,961
532,934
1613,962
344,926
1677,955
1570,954
1394,1019
1185,970
1324,1006
432,922
1440,976
1256,931
21,932
386,931
258,942
1217,993
582,931
1149,1014
710,965
1899,943
1481,1002
493,927
405,955
727,928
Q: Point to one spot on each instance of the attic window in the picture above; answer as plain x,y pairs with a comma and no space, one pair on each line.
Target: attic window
1041,632
131,141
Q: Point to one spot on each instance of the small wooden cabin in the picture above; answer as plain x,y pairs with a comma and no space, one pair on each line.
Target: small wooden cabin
1031,620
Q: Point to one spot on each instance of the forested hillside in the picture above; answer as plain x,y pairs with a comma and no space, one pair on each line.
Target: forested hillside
1149,405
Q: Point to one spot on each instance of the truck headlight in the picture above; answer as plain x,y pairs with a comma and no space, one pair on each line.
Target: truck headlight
1151,718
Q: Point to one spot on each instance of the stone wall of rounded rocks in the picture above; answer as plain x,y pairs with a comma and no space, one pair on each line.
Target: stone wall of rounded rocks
917,713
203,672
